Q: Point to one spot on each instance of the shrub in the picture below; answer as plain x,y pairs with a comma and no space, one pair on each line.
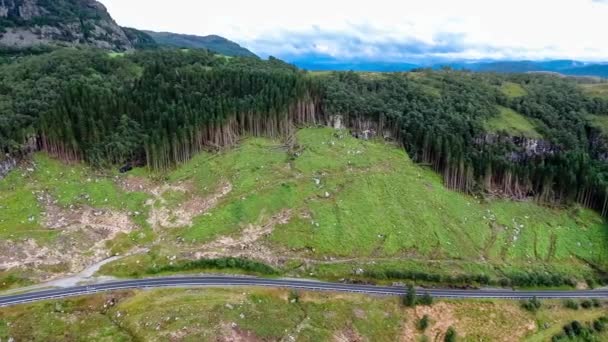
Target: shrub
531,305
427,300
450,335
409,299
423,323
599,325
294,296
586,304
223,263
571,304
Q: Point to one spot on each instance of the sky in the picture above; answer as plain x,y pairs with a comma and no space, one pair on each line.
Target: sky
386,30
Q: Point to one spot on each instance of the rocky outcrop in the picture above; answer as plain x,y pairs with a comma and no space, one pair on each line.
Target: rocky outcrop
6,165
523,148
30,23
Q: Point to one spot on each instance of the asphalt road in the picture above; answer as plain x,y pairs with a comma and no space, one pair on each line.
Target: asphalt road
219,282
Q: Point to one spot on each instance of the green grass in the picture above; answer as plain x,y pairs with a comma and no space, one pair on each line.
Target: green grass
361,202
600,122
513,90
596,90
116,54
512,123
273,315
366,201
70,185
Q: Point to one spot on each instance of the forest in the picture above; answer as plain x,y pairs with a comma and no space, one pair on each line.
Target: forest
160,107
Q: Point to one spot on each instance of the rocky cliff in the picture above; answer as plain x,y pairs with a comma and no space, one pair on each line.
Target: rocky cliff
29,23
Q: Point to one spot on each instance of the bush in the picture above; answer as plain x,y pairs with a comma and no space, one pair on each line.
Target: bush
450,335
423,323
427,300
294,296
531,305
571,304
586,304
223,263
410,299
599,325
596,303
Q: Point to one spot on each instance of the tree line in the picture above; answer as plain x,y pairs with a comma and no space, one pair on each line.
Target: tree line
159,108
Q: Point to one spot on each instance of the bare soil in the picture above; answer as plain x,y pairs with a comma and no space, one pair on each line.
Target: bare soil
83,233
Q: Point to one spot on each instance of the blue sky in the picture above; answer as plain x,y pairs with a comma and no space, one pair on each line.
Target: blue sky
387,30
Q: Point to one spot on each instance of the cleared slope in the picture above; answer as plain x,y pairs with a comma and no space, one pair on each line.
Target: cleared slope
326,205
345,204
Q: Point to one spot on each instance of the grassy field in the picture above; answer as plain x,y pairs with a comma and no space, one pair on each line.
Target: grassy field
512,123
513,90
600,122
598,90
68,185
344,204
363,204
274,315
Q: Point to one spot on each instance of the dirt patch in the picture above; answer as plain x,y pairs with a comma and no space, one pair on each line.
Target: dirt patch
347,335
477,321
83,233
136,184
232,333
163,216
246,244
442,316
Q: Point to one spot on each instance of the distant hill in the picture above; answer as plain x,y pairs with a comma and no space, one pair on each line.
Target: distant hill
213,43
26,24
564,67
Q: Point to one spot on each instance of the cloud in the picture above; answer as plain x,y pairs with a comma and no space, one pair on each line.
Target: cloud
364,43
387,29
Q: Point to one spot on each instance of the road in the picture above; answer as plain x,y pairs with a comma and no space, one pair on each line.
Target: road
219,282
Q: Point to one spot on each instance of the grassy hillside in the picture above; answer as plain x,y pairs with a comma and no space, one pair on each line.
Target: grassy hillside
329,206
275,315
597,90
512,123
335,204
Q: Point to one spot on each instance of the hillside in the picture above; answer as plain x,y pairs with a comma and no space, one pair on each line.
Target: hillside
213,43
490,179
336,207
30,23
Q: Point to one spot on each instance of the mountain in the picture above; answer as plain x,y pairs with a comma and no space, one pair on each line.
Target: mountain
316,62
213,43
29,23
564,67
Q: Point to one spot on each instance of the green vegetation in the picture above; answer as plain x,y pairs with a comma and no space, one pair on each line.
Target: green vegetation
423,323
513,90
582,332
338,188
22,195
600,122
220,264
532,305
599,90
512,123
451,335
410,299
262,314
438,116
216,44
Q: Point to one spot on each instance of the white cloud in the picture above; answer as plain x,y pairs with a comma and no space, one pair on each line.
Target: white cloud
482,28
